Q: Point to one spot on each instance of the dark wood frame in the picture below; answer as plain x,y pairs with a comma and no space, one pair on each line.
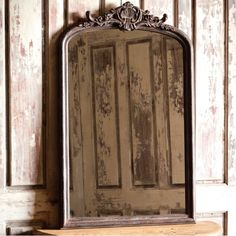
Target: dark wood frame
135,19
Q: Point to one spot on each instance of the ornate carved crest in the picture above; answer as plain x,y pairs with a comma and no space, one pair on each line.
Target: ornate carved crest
128,17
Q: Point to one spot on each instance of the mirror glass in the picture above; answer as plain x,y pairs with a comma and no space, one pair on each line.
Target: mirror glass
126,124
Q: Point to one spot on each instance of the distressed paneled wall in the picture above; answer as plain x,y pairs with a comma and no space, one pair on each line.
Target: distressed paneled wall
29,106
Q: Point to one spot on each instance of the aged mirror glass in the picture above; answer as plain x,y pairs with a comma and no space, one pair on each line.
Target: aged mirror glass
127,122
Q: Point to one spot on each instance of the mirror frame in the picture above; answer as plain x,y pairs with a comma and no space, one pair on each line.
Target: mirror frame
129,17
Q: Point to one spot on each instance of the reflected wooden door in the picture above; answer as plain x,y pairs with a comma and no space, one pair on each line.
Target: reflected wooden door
127,128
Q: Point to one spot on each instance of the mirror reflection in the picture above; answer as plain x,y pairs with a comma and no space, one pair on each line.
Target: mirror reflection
126,123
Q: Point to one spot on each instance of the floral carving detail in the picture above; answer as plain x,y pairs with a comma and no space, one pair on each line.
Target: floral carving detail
128,17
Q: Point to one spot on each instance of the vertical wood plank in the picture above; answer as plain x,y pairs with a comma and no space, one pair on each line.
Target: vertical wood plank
106,116
122,84
140,79
185,16
77,73
159,75
231,92
159,7
25,91
87,113
2,97
210,91
175,95
55,15
76,9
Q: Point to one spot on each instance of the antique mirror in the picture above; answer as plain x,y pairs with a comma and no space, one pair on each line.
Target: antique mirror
127,121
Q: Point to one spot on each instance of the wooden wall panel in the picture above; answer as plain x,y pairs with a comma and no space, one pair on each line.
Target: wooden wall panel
159,7
210,90
231,90
25,92
185,16
2,97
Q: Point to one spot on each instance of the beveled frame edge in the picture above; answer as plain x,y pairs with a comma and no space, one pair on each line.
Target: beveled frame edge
189,124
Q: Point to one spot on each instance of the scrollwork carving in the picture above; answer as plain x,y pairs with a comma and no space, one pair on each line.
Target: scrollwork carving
128,17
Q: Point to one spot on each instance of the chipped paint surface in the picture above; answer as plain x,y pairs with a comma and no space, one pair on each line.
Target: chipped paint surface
210,91
159,7
25,91
185,16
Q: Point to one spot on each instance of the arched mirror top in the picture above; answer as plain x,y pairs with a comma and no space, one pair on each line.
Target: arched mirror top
127,121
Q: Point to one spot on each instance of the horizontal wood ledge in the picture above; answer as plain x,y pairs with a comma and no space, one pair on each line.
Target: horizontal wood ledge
200,228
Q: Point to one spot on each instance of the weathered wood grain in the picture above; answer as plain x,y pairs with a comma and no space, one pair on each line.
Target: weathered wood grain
231,92
2,98
159,7
185,16
25,93
210,91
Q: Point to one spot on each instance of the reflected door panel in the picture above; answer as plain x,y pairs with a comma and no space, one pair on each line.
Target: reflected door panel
126,124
